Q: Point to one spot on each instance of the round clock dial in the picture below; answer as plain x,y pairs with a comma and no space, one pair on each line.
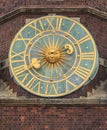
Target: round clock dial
53,56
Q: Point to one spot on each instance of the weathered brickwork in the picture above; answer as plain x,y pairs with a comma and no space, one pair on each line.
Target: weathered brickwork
98,29
6,6
53,118
7,33
98,4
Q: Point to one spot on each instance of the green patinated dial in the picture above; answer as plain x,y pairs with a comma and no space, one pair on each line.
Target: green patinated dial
53,56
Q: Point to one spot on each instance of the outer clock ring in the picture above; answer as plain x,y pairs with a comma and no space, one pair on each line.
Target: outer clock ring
81,74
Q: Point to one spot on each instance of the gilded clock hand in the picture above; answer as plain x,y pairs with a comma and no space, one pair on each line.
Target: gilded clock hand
34,63
69,49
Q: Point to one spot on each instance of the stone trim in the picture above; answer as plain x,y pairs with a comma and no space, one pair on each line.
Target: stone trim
24,10
5,91
53,102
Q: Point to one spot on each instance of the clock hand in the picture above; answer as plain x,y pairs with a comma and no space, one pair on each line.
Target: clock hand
34,63
69,49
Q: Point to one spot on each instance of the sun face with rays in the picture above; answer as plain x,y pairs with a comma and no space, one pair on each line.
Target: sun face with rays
54,53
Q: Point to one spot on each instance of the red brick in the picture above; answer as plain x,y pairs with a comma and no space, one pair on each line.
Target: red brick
6,6
54,121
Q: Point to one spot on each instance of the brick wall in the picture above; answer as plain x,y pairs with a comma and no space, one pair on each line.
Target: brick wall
6,6
98,4
53,118
7,33
98,29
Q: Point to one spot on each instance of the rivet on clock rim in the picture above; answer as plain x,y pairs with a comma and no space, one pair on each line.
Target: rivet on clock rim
64,76
78,56
74,68
26,54
30,43
38,76
66,35
51,80
53,31
40,34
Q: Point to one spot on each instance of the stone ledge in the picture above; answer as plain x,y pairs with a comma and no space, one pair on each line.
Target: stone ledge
31,10
51,102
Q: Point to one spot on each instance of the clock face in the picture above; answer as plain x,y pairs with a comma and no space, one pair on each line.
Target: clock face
53,56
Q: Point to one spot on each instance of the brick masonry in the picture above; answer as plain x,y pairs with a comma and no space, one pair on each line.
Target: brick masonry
53,118
14,4
57,117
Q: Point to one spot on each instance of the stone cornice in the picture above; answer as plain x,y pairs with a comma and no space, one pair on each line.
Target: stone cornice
52,102
32,10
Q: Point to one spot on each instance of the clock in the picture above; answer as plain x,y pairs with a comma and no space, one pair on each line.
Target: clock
53,56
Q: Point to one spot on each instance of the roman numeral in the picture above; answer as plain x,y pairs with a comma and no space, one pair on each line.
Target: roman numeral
88,56
19,70
84,39
50,24
82,72
23,39
47,87
22,75
30,83
41,25
25,76
17,61
34,27
71,27
58,23
38,86
53,88
68,83
15,54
